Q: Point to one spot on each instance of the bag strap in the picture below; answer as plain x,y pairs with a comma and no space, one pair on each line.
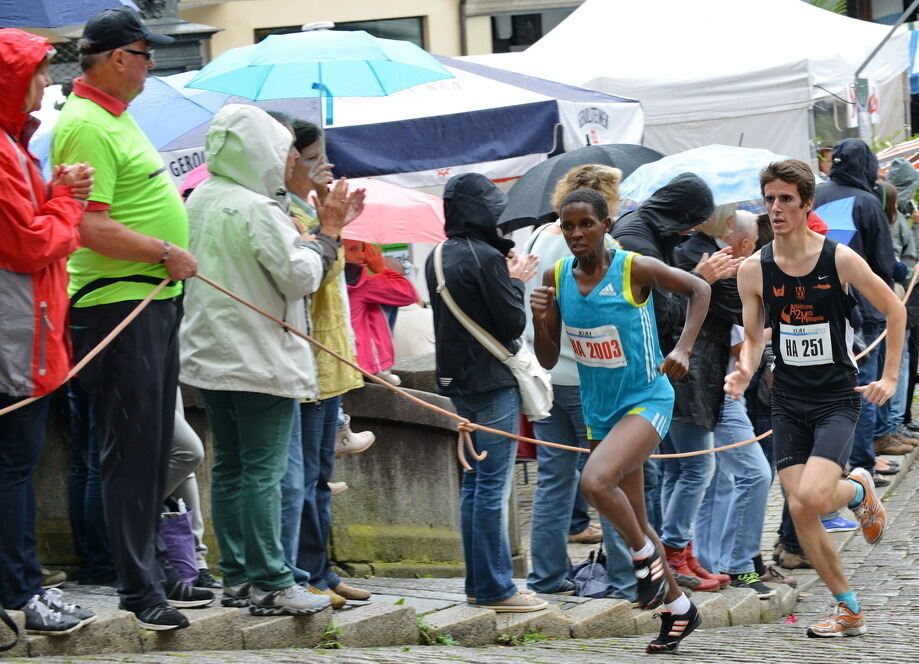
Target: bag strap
5,617
491,344
25,170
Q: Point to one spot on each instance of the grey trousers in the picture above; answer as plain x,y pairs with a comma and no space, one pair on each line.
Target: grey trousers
185,456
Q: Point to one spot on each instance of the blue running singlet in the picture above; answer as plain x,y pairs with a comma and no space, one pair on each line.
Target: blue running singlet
616,348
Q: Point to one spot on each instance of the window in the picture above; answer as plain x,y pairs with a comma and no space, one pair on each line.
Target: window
516,32
407,29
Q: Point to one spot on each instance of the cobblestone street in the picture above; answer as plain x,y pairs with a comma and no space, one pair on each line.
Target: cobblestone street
885,577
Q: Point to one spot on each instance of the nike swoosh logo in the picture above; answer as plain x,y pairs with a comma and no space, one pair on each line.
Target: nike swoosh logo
826,276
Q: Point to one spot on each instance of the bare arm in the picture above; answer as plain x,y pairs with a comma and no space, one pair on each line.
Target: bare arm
106,236
649,272
749,283
547,321
854,270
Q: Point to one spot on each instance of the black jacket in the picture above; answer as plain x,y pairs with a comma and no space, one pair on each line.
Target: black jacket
653,230
475,271
700,394
853,175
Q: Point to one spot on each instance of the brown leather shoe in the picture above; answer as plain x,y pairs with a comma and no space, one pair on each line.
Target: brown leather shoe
349,592
890,444
337,600
590,535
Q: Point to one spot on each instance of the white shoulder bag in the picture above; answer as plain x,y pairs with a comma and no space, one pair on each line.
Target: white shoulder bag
533,381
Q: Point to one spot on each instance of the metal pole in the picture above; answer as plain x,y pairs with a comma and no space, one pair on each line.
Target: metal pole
887,38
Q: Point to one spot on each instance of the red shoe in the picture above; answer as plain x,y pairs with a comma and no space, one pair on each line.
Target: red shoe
723,579
676,558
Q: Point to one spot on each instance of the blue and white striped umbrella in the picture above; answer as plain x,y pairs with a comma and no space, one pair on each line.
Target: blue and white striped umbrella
731,173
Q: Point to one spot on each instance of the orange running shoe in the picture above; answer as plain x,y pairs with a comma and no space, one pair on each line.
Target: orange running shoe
871,513
842,622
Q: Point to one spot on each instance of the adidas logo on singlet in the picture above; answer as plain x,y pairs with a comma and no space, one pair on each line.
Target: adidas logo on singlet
608,290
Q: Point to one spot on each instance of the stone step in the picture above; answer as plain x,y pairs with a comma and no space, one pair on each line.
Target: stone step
468,625
21,649
376,625
112,631
210,628
714,609
600,618
284,631
743,606
551,623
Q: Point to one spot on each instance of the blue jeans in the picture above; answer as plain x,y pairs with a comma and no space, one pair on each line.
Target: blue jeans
685,481
87,519
556,491
862,455
729,525
320,428
485,493
890,415
652,482
580,516
22,434
292,500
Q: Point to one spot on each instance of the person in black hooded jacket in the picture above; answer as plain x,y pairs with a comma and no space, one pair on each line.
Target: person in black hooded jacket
487,283
853,177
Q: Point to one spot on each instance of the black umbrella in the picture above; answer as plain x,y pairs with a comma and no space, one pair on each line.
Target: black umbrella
528,200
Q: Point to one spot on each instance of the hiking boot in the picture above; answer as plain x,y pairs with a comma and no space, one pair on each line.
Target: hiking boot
790,560
724,580
652,584
335,599
161,618
206,580
184,596
890,444
337,488
842,622
590,535
752,581
52,578
42,619
676,558
517,603
871,513
237,596
293,600
349,442
349,592
773,575
912,426
903,431
674,628
54,599
838,525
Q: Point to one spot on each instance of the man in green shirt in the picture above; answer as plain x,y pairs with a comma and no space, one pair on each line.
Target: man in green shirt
134,233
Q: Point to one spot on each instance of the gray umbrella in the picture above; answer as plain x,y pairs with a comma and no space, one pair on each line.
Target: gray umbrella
528,200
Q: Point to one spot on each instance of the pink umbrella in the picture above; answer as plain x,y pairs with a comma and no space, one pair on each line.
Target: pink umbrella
394,214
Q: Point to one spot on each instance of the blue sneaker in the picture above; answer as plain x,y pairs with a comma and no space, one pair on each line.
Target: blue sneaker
838,525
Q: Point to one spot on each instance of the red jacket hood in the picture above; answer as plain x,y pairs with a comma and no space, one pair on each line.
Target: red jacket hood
20,53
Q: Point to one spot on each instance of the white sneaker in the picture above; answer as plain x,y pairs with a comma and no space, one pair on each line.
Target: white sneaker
390,378
293,600
349,442
338,487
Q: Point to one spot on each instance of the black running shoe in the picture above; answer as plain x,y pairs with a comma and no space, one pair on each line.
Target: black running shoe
752,581
652,584
674,628
206,580
161,617
184,596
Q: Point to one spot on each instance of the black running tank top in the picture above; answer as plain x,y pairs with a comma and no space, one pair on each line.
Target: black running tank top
810,321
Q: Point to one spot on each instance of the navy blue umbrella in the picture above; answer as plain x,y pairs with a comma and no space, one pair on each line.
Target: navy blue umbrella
53,13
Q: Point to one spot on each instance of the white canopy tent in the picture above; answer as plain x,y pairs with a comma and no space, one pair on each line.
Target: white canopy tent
737,72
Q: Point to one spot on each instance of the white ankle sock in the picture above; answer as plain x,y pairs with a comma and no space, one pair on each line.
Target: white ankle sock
678,606
644,551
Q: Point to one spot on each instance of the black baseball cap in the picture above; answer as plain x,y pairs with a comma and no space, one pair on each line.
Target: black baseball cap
113,28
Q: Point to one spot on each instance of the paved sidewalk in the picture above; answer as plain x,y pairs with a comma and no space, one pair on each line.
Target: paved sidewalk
885,577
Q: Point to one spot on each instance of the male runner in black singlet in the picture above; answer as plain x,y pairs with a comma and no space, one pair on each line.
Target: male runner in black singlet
798,288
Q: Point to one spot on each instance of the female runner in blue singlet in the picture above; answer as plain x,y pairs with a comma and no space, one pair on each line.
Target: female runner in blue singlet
602,298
